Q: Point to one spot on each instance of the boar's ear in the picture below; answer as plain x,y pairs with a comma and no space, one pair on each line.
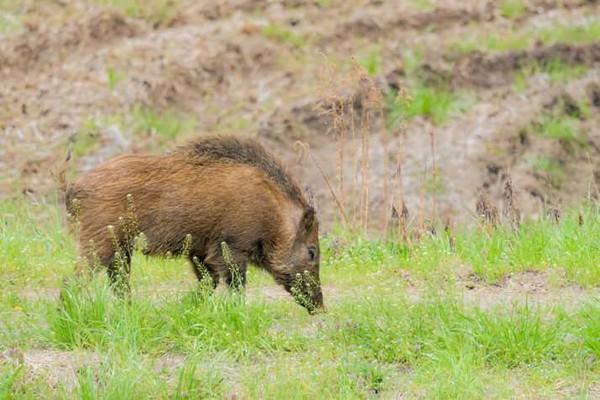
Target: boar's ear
309,219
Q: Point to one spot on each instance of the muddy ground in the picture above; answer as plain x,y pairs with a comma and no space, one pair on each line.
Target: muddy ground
73,72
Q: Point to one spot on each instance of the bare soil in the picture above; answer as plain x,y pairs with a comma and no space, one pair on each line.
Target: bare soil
214,61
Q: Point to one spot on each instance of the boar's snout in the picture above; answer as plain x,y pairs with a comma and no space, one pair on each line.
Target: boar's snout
306,290
317,304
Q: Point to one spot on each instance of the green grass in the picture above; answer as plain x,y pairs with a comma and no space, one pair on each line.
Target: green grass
169,124
434,101
560,128
371,62
556,70
512,9
10,17
553,170
382,336
153,11
423,5
581,33
284,35
140,121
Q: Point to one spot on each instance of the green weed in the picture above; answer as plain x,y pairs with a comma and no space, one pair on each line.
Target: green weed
168,124
556,70
432,100
153,11
586,32
284,35
512,9
434,103
113,77
560,128
10,20
553,170
372,61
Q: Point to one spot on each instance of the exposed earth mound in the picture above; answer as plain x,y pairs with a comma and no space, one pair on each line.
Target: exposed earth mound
488,93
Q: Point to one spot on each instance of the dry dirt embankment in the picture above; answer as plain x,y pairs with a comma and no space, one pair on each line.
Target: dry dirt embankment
77,70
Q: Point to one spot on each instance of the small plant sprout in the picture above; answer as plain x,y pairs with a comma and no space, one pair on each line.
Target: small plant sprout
237,276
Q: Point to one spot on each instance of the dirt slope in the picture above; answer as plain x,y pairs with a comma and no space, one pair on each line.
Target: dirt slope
75,71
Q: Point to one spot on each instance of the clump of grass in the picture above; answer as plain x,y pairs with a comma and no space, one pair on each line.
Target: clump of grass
586,32
371,62
282,34
85,142
553,170
10,18
434,103
323,3
560,128
34,242
424,5
589,319
166,125
582,33
491,42
512,9
536,245
169,124
156,12
113,77
556,70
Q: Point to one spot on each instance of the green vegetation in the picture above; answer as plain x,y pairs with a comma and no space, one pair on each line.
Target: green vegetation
168,124
371,62
586,32
553,170
153,11
323,3
512,9
10,17
379,336
423,5
282,34
560,128
557,71
432,100
140,120
113,77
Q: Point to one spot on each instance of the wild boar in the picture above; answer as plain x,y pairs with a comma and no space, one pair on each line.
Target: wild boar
210,192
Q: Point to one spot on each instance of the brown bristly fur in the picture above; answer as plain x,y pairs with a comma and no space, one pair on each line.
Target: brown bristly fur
220,189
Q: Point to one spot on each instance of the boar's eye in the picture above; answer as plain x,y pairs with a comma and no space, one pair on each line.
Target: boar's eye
312,253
